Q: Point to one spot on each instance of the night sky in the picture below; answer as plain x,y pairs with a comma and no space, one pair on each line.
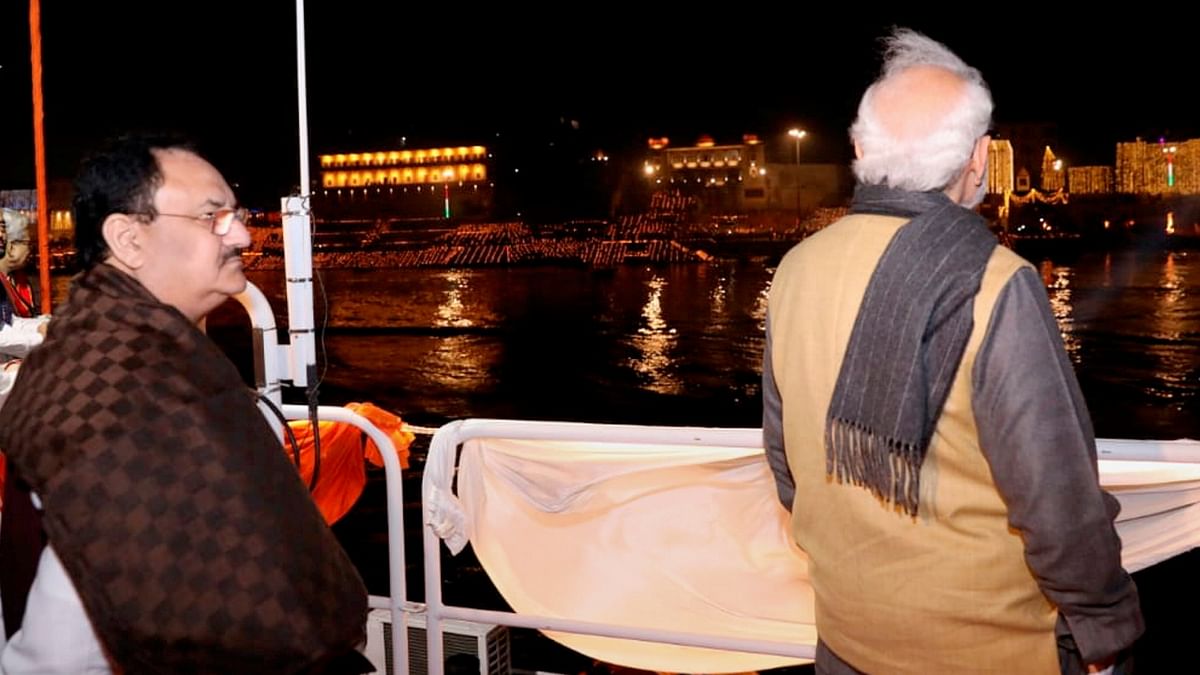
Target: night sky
582,76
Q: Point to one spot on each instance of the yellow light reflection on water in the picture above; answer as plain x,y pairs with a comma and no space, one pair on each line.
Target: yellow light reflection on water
655,341
460,363
759,312
1058,285
1172,283
716,298
1170,327
450,313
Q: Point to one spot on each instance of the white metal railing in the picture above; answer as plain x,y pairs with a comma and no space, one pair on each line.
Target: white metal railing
439,474
397,590
1120,449
439,471
270,357
275,363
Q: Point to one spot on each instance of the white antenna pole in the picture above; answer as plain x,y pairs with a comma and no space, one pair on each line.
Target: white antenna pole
302,92
298,273
297,241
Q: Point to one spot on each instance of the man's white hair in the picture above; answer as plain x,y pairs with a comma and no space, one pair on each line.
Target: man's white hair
16,225
934,161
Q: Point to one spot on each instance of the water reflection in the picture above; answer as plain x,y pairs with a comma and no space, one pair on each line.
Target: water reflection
655,341
683,344
1128,315
759,311
459,363
450,311
1170,328
1172,283
716,298
1058,284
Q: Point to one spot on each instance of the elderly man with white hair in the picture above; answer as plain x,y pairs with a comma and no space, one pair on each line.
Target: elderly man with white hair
21,295
923,421
20,328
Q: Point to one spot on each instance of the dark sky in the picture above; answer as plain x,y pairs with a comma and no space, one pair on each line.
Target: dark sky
224,72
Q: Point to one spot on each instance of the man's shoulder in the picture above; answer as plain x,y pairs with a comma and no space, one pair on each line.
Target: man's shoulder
849,232
1004,263
858,222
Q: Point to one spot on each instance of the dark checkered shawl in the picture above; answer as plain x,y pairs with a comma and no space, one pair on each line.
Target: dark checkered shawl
193,543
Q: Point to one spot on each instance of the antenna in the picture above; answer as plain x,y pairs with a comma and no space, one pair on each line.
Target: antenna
297,239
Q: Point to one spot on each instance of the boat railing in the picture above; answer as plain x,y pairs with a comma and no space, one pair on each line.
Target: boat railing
271,368
445,518
439,473
396,601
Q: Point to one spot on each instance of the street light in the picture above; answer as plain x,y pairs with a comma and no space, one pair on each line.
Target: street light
797,134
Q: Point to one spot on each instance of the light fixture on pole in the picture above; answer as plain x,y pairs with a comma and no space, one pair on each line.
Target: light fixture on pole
798,135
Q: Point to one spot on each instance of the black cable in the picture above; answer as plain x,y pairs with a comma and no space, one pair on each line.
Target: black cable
287,428
314,382
312,416
322,353
324,323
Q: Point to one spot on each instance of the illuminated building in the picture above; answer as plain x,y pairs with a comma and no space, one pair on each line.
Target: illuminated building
1000,167
725,177
1131,165
404,167
1052,172
1089,180
426,182
1162,167
1029,141
1023,182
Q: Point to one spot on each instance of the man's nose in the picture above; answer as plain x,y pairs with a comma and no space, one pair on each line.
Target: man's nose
238,235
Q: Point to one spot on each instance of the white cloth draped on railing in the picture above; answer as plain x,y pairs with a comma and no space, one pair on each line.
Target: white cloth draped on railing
693,538
1158,484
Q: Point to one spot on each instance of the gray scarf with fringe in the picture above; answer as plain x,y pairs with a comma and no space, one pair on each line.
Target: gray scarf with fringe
908,339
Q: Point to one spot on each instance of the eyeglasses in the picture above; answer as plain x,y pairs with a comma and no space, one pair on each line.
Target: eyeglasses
219,221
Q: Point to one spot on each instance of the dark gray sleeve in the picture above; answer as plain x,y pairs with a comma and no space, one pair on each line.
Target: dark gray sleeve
1037,437
773,430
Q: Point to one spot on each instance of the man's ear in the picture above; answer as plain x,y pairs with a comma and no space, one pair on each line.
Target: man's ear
124,236
979,158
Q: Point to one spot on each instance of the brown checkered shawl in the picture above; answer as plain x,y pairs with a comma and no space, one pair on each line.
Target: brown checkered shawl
193,543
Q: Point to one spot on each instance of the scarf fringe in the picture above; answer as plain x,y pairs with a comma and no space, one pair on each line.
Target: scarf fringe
888,467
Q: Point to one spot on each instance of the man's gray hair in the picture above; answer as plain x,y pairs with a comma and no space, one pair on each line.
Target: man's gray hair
934,161
16,225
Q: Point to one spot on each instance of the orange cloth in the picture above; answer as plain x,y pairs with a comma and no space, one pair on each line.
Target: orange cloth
344,448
